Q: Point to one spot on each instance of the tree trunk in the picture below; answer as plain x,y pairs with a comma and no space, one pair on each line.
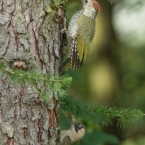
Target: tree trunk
29,40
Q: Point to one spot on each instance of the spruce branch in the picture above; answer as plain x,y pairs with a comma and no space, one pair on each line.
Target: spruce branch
54,83
100,114
97,113
18,74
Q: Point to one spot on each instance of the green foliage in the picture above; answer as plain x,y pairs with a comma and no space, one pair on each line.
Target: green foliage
98,113
104,115
33,77
79,108
97,137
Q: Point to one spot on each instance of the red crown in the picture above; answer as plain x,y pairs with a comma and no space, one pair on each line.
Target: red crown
96,5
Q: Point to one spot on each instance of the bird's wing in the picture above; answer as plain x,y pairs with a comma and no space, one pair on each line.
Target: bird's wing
73,25
82,48
85,36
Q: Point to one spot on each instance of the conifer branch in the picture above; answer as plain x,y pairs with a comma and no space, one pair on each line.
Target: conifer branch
100,114
32,77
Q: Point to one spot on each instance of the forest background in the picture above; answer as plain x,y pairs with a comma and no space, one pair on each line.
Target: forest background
114,72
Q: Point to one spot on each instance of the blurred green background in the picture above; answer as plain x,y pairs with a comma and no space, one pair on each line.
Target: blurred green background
114,72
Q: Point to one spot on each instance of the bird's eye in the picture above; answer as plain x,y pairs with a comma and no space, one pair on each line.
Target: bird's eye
86,1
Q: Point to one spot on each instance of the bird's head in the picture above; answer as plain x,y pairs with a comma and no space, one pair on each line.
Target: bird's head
93,3
78,126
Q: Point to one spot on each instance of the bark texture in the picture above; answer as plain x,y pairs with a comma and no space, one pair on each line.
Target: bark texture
29,39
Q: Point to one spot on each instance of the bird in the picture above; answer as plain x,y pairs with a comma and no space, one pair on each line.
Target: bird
80,34
74,134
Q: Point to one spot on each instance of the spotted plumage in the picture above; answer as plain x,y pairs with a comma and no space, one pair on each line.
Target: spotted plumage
81,31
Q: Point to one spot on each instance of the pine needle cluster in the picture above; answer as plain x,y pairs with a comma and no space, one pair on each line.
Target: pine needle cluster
101,114
35,78
98,113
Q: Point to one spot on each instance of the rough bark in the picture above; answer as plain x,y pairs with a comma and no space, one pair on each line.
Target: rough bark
29,39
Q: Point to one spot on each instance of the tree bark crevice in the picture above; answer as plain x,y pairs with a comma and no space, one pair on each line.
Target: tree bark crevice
29,40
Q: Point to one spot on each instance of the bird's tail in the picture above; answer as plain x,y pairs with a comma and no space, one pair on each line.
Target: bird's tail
72,62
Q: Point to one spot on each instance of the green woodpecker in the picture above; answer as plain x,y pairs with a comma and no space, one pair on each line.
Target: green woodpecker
74,134
81,31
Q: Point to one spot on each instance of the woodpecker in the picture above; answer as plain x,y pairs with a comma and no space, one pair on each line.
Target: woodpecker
80,33
74,134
